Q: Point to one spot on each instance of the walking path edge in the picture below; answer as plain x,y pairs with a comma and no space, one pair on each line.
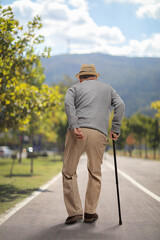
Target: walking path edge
6,215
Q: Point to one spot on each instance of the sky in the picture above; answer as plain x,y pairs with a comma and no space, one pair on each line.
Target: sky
115,27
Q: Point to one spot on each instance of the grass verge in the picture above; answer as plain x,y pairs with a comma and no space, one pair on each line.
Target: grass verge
135,154
14,189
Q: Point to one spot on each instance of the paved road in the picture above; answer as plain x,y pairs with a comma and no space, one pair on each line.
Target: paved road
43,218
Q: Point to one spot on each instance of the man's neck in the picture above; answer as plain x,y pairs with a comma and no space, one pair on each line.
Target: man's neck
82,80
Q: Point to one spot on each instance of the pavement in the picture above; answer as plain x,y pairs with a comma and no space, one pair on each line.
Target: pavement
43,217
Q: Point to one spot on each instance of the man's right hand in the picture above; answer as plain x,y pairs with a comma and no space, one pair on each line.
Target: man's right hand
78,133
114,136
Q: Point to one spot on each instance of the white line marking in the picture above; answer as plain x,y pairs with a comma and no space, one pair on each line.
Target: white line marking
156,197
5,216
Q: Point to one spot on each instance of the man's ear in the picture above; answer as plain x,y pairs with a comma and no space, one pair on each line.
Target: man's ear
80,79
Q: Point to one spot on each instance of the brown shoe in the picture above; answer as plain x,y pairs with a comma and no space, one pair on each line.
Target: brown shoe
89,218
73,219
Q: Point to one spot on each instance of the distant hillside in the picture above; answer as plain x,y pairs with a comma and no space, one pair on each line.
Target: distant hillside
137,80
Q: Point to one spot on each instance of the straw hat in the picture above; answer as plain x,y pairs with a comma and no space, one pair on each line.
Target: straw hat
87,69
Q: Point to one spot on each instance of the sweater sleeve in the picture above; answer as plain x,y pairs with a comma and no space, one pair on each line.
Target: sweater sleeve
70,108
119,108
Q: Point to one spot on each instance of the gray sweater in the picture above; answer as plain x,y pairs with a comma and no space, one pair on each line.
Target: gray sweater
88,104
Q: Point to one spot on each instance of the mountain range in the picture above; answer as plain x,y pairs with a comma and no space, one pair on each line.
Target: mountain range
137,80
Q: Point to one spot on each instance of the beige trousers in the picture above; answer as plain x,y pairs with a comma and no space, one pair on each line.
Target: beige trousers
94,144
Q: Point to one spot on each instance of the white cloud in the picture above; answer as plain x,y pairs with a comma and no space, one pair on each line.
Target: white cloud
79,4
67,20
146,8
133,1
67,24
149,10
149,47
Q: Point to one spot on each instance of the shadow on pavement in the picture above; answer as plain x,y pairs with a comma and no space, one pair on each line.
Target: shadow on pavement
9,192
22,175
80,231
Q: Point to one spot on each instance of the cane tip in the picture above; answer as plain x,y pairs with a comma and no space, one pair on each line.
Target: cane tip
120,222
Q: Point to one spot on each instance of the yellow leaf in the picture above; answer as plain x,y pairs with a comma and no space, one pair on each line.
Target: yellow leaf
8,102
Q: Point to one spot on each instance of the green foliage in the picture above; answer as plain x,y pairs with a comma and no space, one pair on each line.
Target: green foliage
53,124
156,105
124,133
154,134
23,96
145,131
137,126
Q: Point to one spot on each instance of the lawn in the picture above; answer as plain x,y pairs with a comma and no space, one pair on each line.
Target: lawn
135,154
22,183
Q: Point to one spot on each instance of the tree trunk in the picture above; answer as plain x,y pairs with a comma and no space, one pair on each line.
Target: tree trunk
32,155
140,150
130,150
154,153
156,137
146,149
130,153
21,148
31,165
12,166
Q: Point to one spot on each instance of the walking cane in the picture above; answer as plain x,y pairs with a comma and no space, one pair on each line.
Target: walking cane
117,186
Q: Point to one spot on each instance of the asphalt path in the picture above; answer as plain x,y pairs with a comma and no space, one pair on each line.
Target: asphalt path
43,217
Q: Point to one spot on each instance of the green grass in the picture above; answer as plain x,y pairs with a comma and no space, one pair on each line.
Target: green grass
135,154
22,183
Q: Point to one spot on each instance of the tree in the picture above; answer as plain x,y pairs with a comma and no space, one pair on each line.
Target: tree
23,96
123,135
21,70
54,122
156,105
155,137
136,125
145,129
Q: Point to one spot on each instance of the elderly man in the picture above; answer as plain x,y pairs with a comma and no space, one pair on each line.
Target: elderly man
87,106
